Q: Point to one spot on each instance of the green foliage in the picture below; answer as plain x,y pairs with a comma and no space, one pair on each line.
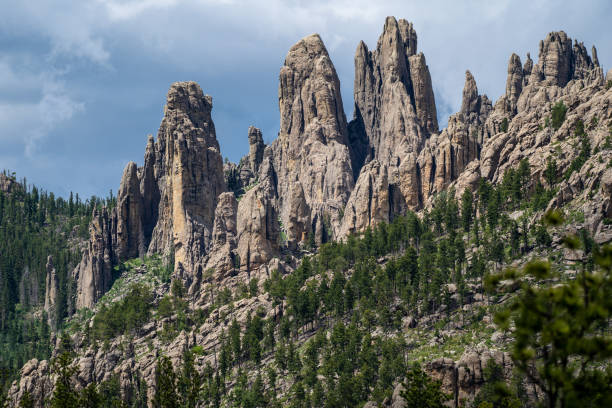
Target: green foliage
26,401
561,338
165,380
504,125
33,225
585,150
551,172
467,209
189,382
558,115
351,297
609,84
124,316
64,394
495,392
89,397
541,197
421,391
608,143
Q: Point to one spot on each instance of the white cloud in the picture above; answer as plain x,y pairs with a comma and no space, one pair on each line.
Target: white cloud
127,9
38,104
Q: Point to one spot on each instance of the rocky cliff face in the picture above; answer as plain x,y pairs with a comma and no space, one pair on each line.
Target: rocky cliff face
243,175
8,184
93,275
129,239
189,172
394,116
393,94
168,205
311,156
51,291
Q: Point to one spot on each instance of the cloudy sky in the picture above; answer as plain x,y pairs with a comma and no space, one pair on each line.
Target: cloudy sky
82,83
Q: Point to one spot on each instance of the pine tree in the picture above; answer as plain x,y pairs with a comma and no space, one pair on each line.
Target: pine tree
26,401
550,174
467,210
64,394
560,338
165,380
421,391
90,398
189,382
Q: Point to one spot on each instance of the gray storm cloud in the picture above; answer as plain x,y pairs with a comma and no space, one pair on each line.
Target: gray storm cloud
84,82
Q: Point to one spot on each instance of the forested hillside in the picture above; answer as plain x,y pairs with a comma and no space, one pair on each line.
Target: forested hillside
35,225
358,317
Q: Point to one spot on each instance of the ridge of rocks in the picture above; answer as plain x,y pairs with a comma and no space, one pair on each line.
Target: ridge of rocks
322,178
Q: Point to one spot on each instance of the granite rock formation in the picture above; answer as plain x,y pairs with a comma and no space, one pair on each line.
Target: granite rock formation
312,148
189,173
168,205
93,275
394,116
129,239
393,94
258,227
243,175
372,194
51,292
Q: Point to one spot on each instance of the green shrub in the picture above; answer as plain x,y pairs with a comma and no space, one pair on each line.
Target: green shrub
197,350
558,114
504,125
585,150
609,84
128,314
165,308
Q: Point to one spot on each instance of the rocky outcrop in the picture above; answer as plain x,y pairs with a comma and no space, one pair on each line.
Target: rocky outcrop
299,224
393,93
114,236
559,62
239,177
149,190
312,148
369,202
463,378
222,258
526,134
129,239
8,184
166,206
302,187
51,291
395,113
258,223
446,155
189,173
224,230
256,149
514,83
527,68
93,275
36,380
